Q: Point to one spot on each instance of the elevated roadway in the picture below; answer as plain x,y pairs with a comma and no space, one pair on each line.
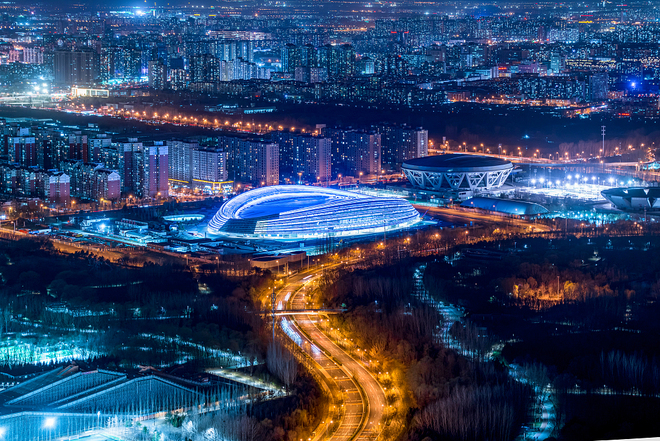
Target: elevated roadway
461,216
362,403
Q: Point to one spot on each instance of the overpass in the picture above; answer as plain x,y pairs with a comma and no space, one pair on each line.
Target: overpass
279,312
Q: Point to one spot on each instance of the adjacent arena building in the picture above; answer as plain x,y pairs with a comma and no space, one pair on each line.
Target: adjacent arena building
457,172
634,198
508,206
290,212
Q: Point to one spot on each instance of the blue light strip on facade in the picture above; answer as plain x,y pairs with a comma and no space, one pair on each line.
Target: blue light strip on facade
343,214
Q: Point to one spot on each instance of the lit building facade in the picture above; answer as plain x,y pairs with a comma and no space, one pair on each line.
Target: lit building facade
292,212
179,160
401,143
155,171
355,152
75,67
304,157
251,160
209,168
457,172
22,150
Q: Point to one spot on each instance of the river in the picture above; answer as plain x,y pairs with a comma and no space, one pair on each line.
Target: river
452,314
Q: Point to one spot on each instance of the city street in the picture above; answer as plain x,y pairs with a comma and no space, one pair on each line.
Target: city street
460,217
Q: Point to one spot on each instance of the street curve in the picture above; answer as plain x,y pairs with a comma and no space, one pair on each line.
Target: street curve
363,399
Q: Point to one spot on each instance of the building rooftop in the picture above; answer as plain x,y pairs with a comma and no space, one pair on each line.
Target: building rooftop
456,161
520,208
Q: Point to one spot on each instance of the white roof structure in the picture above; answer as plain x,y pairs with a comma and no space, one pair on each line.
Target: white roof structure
457,172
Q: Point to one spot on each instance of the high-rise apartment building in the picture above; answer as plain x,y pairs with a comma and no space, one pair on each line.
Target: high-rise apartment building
402,143
157,75
209,168
204,69
304,157
92,181
74,67
131,167
22,150
107,184
78,147
251,160
180,158
155,171
355,152
58,188
96,145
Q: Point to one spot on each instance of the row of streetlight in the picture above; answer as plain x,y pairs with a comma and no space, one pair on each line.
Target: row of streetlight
536,153
184,120
584,179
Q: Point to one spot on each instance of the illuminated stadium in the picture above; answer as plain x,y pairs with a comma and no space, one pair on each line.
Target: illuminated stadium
634,198
457,172
298,211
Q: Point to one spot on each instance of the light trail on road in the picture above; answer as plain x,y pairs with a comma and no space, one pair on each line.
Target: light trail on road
363,400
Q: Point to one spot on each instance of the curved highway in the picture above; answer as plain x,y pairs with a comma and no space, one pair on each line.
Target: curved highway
362,405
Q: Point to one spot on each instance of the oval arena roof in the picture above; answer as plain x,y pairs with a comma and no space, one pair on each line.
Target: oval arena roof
457,162
301,211
520,208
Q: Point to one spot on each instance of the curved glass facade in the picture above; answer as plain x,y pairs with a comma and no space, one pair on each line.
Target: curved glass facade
295,212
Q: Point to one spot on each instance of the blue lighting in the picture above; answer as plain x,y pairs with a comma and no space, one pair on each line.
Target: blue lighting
299,211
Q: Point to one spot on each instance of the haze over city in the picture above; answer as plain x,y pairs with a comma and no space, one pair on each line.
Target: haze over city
329,220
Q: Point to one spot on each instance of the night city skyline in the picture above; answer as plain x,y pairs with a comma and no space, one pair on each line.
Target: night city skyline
286,220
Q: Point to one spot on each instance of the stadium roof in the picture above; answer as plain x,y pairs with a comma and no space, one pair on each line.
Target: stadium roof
633,192
299,211
634,198
457,162
520,208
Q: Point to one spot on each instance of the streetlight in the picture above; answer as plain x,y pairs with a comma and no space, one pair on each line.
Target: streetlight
49,423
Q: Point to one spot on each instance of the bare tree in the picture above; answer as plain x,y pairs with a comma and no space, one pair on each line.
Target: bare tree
282,363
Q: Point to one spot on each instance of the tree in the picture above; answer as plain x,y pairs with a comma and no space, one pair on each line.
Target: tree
282,363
